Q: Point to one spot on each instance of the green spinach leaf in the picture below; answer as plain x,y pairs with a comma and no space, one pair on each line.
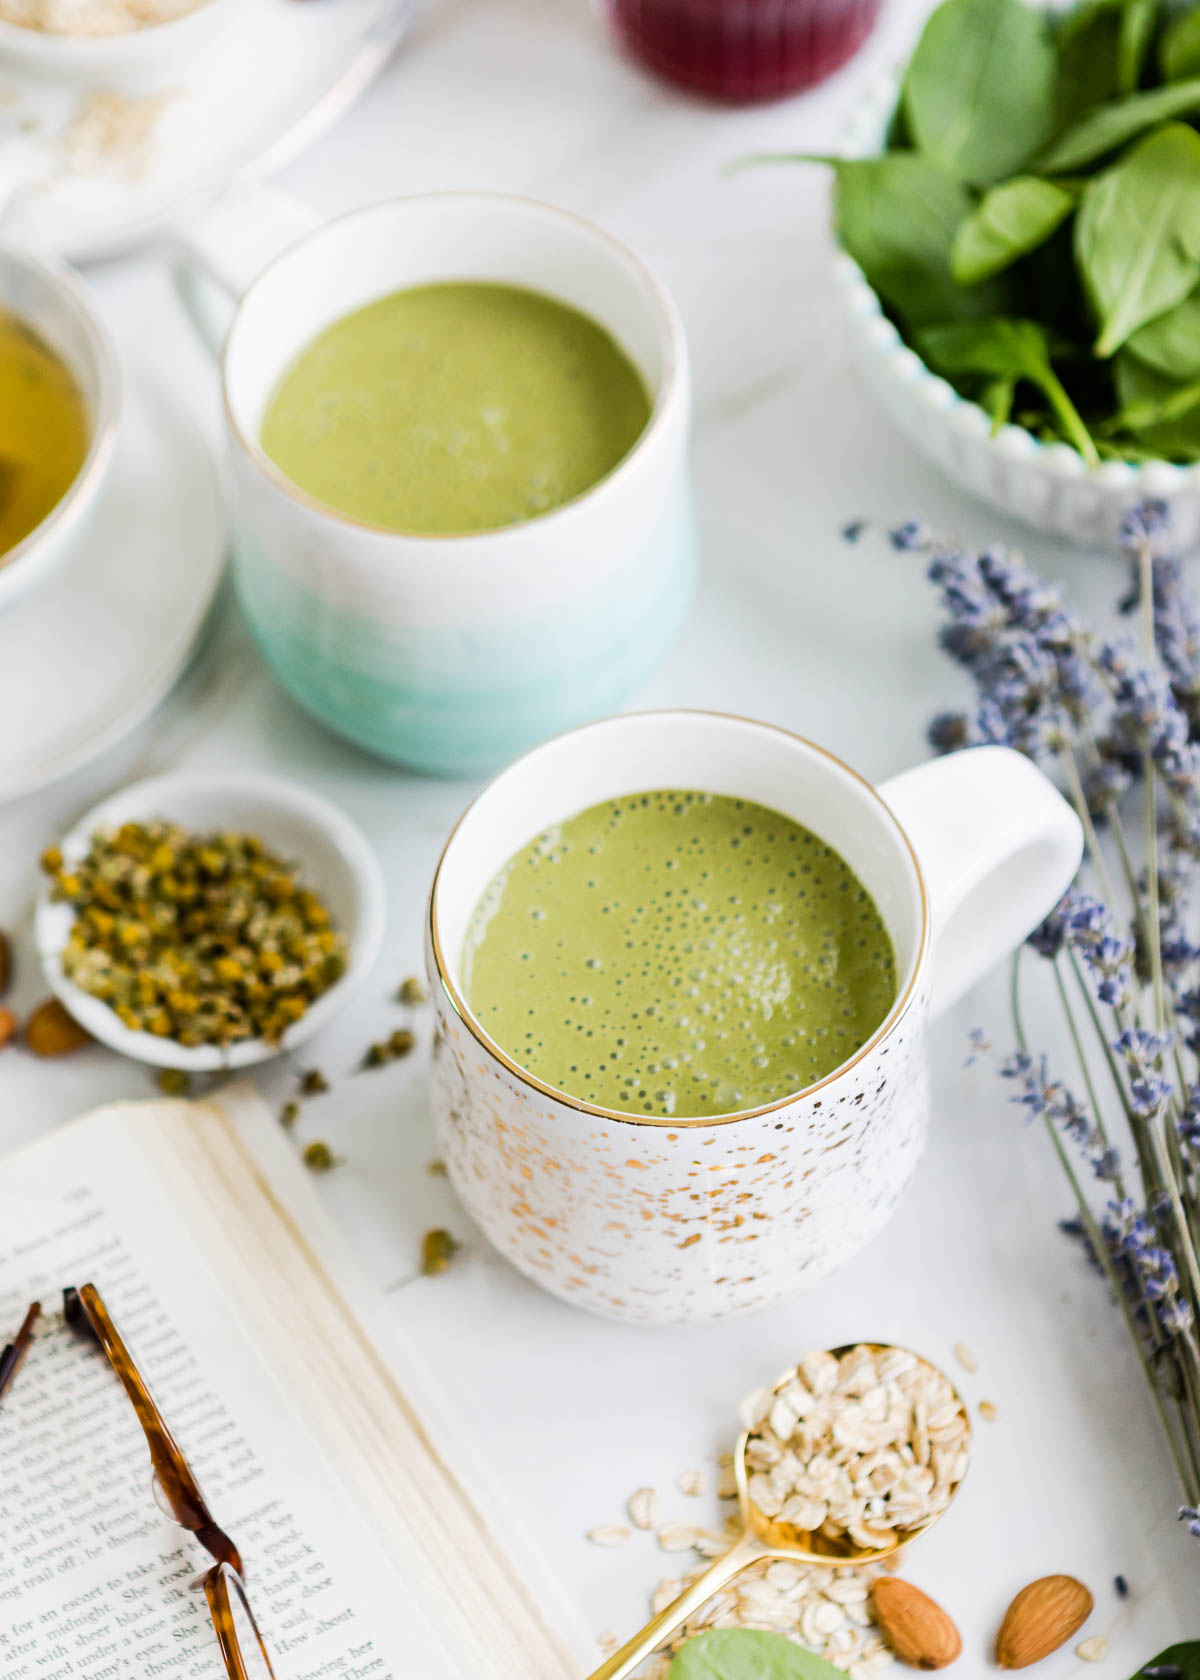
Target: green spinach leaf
979,90
1086,43
1160,414
1004,348
1179,50
748,1654
1171,342
1186,1658
1112,125
1139,20
896,215
1009,221
1137,235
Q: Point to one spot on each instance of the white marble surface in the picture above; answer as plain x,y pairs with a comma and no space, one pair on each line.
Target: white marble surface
791,625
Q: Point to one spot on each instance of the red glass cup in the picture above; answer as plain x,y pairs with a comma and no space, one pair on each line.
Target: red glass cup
743,51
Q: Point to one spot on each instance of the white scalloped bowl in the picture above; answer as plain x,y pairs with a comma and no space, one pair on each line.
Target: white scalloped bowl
1049,486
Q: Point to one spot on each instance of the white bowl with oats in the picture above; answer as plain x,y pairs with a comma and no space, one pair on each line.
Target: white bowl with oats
82,38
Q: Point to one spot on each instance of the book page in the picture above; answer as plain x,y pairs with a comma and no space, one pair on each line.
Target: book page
95,1582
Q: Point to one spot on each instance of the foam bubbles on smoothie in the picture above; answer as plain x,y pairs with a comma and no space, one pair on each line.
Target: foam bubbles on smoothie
679,954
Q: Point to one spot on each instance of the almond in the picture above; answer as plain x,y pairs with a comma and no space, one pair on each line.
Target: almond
50,1031
918,1631
8,1027
5,962
1042,1617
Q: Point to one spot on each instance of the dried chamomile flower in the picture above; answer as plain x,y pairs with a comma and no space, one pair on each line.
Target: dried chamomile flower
412,992
199,938
319,1158
174,1082
390,1049
312,1082
289,1114
438,1248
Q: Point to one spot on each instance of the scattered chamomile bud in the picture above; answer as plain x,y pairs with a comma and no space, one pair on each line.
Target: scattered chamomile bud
289,1114
412,992
313,1082
389,1049
401,1042
174,1082
319,1158
438,1248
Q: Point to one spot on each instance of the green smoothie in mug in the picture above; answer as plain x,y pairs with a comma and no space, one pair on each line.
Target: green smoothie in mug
457,407
679,954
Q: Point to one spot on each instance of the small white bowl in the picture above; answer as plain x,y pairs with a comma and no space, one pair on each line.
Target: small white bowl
153,47
51,299
1049,486
335,862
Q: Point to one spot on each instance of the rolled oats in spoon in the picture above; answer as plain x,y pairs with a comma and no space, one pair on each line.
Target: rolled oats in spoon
845,1459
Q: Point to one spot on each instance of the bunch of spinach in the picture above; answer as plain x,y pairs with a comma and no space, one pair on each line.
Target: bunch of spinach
1033,225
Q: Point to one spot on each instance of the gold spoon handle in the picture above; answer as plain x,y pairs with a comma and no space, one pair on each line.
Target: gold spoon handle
747,1551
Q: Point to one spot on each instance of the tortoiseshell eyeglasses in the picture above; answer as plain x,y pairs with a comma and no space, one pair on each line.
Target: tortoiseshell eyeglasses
176,1488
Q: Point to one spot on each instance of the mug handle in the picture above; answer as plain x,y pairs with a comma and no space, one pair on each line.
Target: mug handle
221,249
998,846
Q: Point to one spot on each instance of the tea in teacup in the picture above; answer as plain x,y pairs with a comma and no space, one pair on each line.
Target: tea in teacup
43,429
456,407
678,953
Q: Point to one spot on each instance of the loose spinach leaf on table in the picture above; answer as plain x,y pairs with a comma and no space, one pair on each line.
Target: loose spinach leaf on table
896,216
748,1654
1171,342
980,87
1009,221
1179,49
1003,348
1137,235
1185,1658
1104,129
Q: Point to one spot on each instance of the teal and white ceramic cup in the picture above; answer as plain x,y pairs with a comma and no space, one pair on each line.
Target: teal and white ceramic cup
450,654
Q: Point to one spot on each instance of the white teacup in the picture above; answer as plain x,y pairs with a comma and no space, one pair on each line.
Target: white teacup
450,653
48,297
670,1221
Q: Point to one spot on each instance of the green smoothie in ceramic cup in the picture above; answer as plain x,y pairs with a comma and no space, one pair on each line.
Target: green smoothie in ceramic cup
458,428
683,967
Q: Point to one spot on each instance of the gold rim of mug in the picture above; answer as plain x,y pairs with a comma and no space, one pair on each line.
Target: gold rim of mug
890,1021
671,333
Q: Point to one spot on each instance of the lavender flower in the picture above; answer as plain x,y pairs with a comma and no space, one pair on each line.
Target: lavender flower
1109,718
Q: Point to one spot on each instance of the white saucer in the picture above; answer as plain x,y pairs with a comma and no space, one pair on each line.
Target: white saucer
95,647
253,95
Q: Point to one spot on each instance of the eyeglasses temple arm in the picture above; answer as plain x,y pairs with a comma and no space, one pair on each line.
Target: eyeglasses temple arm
15,1351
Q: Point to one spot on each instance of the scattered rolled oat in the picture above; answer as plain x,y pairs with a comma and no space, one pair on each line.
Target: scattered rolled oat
727,1487
607,1643
609,1534
1094,1649
645,1508
691,1483
965,1357
987,1410
867,1446
682,1537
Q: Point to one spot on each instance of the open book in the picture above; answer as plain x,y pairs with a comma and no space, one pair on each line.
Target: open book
367,1556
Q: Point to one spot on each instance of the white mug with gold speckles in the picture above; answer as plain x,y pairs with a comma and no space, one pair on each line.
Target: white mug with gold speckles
678,1221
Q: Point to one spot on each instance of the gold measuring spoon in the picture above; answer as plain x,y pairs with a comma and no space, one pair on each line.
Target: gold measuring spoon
765,1538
